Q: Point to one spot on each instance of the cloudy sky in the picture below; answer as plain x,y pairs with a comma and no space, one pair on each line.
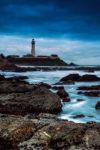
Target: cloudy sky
70,28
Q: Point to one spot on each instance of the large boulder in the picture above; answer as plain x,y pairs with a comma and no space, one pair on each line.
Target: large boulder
88,78
70,78
22,98
90,93
88,88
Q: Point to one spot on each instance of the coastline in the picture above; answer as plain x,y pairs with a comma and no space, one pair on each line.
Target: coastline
29,110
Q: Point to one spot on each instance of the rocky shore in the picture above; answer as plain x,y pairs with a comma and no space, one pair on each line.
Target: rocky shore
28,113
28,119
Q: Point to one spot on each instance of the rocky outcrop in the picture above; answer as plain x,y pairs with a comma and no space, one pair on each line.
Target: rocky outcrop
21,98
89,78
45,131
72,78
63,94
85,88
90,93
38,61
98,105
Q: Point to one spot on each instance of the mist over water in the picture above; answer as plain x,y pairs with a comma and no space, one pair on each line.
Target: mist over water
73,108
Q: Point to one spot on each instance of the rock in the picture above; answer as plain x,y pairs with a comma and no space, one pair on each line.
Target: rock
72,78
80,100
90,93
88,78
47,132
98,105
72,64
78,116
94,87
27,99
20,98
45,85
63,94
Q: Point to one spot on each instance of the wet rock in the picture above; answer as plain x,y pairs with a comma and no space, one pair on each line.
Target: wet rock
98,105
29,99
94,87
19,97
56,88
45,85
88,78
70,78
80,100
79,116
63,94
90,93
13,86
47,132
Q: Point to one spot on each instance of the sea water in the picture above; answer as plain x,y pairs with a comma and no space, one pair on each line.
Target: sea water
73,108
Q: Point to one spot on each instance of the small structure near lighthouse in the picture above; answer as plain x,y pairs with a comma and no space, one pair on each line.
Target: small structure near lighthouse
33,48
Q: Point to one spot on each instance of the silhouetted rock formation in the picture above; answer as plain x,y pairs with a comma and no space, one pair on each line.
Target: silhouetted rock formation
38,61
72,78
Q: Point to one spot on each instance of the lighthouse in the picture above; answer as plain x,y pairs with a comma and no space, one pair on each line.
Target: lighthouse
33,48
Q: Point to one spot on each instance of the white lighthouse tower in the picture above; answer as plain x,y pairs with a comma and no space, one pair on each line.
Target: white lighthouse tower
33,48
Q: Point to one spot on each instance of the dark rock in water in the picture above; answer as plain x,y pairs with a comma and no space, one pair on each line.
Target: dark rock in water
63,94
88,78
94,87
98,105
79,116
72,78
91,93
90,70
80,100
